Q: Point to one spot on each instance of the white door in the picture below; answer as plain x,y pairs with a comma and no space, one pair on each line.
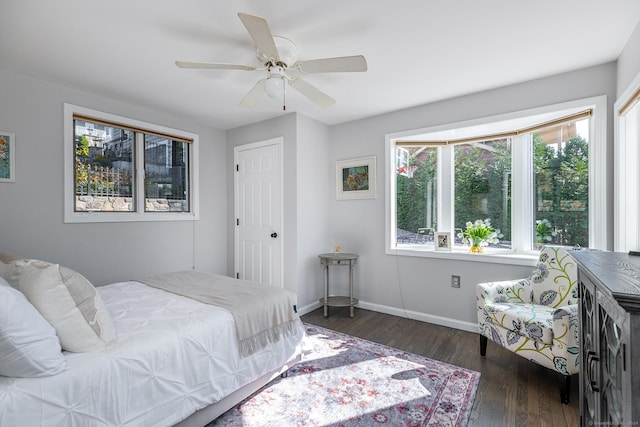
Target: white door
258,211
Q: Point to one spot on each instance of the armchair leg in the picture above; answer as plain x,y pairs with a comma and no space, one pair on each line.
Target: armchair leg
565,389
483,345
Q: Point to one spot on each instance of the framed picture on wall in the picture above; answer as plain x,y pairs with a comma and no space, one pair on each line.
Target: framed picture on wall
7,157
442,241
356,178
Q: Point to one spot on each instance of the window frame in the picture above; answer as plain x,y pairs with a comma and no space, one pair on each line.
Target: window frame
626,234
522,214
73,216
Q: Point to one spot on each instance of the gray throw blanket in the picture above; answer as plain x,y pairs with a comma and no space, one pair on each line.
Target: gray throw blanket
262,313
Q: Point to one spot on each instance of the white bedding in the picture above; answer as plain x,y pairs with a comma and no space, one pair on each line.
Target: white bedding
260,313
172,357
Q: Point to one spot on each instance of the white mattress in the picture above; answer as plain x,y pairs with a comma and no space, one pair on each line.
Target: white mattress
173,356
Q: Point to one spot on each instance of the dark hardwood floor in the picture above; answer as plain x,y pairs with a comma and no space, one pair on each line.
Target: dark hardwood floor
512,391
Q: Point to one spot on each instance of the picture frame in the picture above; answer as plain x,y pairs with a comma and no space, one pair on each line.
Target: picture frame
7,156
356,178
442,240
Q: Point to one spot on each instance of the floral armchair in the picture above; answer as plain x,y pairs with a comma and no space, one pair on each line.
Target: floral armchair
537,317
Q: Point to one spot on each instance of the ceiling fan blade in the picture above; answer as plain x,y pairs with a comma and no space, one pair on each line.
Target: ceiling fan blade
259,31
212,65
254,95
355,63
312,92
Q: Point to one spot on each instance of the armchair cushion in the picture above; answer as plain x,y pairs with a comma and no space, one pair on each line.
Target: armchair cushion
529,320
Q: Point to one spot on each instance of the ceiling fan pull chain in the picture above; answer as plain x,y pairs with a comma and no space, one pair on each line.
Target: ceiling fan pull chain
284,96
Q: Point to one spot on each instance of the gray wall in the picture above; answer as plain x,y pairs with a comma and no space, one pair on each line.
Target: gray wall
420,287
306,180
31,209
314,193
629,61
285,127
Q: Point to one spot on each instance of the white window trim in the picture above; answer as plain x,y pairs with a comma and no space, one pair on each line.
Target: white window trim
71,216
521,183
518,255
626,231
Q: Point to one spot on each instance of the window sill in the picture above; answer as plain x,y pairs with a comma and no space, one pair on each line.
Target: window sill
94,216
461,253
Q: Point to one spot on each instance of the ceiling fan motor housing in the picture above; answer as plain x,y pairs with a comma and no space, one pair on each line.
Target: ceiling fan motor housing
287,53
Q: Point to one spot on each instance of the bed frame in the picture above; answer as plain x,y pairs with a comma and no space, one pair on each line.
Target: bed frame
209,413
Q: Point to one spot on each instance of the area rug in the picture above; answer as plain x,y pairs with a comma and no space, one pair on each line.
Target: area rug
347,381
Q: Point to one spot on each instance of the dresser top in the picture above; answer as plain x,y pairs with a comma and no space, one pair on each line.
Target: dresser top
619,272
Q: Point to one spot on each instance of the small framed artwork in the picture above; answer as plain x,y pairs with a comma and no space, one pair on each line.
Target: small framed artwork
443,241
7,157
356,178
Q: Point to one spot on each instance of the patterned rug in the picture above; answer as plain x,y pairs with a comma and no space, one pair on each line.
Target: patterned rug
347,381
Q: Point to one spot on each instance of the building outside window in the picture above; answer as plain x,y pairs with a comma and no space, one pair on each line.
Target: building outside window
104,168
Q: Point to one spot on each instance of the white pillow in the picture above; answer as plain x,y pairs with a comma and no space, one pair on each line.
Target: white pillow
6,265
29,346
70,303
4,270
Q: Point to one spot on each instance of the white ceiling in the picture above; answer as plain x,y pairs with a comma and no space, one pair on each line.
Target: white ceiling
418,51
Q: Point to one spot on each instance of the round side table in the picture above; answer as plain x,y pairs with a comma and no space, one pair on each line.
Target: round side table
327,260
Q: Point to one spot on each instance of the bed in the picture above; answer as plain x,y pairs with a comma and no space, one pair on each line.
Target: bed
172,359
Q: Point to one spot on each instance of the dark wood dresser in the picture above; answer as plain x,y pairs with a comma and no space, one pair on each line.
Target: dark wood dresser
609,286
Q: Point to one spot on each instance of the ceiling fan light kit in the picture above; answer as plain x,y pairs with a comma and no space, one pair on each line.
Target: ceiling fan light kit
274,86
278,56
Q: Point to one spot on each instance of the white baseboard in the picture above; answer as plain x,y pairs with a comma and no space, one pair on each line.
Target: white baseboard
407,314
308,308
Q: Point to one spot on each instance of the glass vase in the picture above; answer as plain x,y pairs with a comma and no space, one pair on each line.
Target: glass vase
476,247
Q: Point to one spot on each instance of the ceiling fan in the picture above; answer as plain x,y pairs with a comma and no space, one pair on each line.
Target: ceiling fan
279,58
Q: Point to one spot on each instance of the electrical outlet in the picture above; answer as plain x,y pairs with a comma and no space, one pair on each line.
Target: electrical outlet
455,281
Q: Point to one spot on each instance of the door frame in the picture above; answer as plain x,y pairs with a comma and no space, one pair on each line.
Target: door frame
279,142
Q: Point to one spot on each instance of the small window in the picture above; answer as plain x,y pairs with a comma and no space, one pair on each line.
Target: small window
103,168
482,187
417,197
166,168
119,169
561,191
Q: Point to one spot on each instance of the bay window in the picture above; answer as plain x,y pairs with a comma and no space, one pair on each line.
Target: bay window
530,175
